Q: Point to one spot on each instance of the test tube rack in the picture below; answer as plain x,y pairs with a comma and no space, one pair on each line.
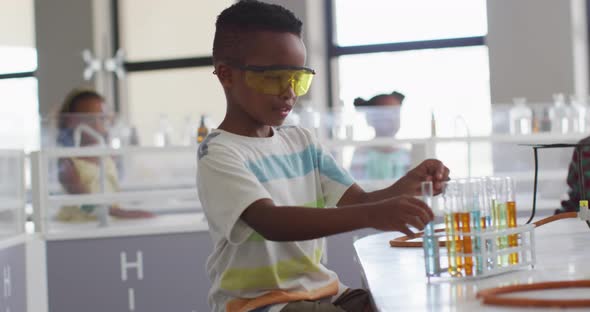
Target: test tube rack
487,259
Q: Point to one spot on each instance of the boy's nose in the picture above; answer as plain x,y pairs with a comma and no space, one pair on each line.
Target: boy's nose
289,92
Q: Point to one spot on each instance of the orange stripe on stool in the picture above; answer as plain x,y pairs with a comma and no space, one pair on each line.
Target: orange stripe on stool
281,296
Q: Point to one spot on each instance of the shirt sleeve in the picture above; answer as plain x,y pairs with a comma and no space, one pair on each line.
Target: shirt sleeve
333,178
576,191
226,188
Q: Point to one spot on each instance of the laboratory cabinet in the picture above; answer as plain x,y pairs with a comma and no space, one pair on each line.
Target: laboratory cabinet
148,273
13,240
136,240
13,279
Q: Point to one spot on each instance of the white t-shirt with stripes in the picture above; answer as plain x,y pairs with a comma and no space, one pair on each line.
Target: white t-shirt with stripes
291,168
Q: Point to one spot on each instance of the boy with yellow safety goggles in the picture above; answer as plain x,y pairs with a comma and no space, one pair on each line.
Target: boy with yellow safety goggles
261,184
275,79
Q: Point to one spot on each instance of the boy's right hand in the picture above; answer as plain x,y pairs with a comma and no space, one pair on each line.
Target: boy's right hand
395,214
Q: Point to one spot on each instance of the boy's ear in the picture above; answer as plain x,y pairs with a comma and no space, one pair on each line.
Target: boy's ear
224,74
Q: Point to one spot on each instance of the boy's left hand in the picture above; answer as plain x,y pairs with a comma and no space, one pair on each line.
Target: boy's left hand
429,170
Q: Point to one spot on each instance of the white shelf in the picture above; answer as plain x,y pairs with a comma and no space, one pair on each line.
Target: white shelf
137,183
109,198
168,224
537,138
529,175
12,240
11,203
101,151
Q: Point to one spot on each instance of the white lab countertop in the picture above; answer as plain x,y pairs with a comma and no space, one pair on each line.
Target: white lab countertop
397,281
161,224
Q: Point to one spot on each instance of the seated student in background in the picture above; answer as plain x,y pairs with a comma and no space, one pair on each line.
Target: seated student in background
385,162
573,202
81,122
264,187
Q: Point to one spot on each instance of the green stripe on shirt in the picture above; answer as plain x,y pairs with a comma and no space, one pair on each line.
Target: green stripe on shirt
270,277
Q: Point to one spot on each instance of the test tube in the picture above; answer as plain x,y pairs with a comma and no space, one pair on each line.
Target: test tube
491,201
430,244
488,224
476,208
511,214
465,216
449,202
457,228
502,218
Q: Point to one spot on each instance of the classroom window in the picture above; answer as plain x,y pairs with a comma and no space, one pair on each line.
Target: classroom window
170,81
442,65
155,30
453,83
431,51
384,21
19,122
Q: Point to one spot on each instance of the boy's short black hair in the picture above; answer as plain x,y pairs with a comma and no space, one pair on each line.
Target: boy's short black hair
245,17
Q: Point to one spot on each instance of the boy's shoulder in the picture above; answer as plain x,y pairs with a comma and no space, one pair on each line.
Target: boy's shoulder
294,130
296,135
205,146
222,141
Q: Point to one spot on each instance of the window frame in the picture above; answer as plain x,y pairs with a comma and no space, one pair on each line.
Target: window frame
160,64
18,75
335,50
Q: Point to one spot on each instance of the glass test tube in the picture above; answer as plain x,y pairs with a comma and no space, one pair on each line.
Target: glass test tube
511,214
476,187
489,203
502,218
456,211
430,244
449,199
465,216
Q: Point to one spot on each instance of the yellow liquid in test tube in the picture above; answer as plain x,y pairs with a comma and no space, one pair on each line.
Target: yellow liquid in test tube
512,239
467,247
458,241
503,226
499,220
450,235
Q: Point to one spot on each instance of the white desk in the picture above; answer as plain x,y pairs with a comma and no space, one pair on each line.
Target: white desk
396,278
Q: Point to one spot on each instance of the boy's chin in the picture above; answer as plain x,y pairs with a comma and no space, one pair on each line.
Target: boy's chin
276,123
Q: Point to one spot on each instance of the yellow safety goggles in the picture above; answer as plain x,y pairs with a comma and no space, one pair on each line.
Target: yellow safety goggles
274,80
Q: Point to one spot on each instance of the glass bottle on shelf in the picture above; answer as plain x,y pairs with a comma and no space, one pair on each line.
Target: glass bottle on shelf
189,133
521,117
343,121
117,134
163,135
545,122
133,136
309,118
560,115
536,122
578,115
203,131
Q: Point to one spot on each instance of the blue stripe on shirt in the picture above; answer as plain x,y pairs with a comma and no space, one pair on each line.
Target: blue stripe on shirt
299,164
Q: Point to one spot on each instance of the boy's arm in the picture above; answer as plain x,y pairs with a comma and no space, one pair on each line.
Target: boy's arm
429,170
289,223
